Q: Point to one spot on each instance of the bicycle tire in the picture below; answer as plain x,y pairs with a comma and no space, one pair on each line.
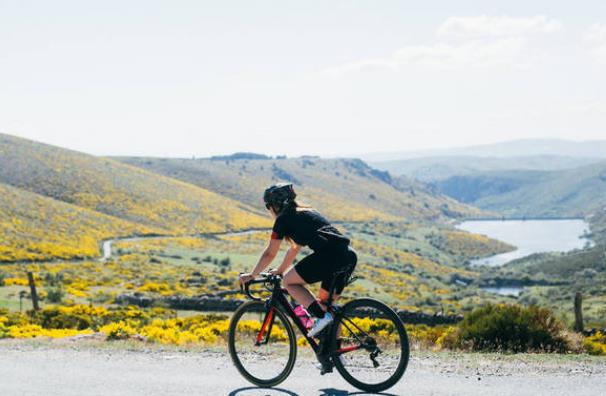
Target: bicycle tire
404,348
256,307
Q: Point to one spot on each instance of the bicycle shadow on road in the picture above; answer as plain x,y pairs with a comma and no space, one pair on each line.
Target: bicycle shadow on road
275,391
285,392
340,392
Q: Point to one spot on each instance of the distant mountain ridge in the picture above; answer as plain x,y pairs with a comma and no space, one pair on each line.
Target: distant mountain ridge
345,189
573,192
430,169
512,148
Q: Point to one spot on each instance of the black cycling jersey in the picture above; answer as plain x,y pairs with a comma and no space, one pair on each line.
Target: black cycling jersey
332,253
307,227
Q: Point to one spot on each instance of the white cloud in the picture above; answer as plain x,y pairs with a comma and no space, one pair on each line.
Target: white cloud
472,53
482,41
496,26
596,37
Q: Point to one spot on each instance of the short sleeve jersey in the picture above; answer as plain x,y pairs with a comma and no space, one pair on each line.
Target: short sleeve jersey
301,226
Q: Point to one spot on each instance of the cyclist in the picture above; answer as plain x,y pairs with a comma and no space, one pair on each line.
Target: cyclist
303,226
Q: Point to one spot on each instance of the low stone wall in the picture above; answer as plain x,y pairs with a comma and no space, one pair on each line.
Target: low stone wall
209,303
594,331
428,319
215,303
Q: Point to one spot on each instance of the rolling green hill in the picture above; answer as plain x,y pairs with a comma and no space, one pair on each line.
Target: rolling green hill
58,203
34,227
573,192
119,190
345,189
597,222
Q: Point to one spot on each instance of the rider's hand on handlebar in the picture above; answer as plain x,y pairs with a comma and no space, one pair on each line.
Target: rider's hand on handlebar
245,278
274,272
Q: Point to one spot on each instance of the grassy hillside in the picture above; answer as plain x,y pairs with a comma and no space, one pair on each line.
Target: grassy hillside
421,275
574,192
555,278
597,222
120,190
33,227
344,189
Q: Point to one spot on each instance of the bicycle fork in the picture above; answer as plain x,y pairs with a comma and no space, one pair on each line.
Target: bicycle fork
268,323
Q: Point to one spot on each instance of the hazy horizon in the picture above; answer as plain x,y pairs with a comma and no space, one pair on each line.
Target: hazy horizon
378,156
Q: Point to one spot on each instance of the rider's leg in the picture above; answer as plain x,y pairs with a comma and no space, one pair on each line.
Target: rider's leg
309,270
296,288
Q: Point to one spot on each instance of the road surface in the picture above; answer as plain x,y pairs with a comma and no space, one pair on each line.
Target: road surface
48,368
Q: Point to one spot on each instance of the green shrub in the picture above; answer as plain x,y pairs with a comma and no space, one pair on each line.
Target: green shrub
55,295
512,328
13,318
54,318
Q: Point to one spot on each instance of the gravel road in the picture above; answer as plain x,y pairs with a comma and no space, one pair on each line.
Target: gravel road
50,368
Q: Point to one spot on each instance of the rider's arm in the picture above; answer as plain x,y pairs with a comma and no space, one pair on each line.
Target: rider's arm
289,257
268,255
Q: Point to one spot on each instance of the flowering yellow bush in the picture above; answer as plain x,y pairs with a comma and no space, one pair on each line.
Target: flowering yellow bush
33,331
204,329
154,287
431,337
15,281
76,292
118,331
446,339
3,328
595,344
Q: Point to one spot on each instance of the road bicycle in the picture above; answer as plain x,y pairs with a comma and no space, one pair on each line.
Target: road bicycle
367,341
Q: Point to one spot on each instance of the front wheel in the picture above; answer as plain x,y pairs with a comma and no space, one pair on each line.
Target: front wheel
262,344
370,345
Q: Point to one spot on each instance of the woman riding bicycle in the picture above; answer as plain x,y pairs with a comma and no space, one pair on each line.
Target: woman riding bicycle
303,226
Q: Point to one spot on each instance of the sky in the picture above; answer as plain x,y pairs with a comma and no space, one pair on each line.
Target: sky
199,78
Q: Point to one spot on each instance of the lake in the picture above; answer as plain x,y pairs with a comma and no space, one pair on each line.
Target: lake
529,236
513,291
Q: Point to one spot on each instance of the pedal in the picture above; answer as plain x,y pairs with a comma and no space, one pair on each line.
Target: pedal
326,369
373,357
326,365
375,363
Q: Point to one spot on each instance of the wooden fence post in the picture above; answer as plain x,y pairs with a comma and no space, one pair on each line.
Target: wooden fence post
32,287
578,312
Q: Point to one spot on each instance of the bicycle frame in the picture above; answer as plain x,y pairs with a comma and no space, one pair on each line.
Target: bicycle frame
278,300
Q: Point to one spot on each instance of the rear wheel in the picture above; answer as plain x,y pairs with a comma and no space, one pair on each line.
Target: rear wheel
371,345
270,361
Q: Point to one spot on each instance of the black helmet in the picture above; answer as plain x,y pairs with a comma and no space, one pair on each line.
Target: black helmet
279,195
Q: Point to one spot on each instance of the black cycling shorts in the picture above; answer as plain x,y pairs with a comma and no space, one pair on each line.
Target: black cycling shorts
324,266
